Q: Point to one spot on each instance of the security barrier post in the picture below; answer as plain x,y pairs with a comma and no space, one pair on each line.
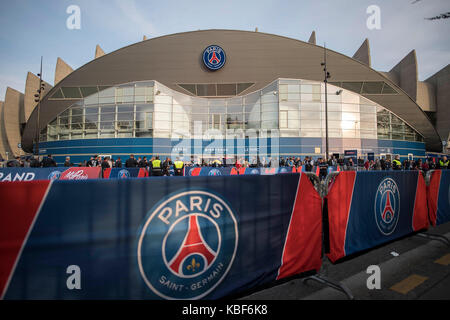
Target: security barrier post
321,277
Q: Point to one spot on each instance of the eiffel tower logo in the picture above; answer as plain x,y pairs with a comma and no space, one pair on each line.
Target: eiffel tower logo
193,243
214,58
388,212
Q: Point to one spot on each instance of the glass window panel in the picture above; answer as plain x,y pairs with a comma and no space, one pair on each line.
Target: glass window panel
189,87
204,90
367,125
164,125
352,86
87,91
125,108
311,106
269,124
310,124
306,115
217,109
332,116
396,120
226,89
235,109
93,110
243,86
144,134
71,92
162,116
107,117
180,117
372,87
106,100
270,97
92,99
106,92
144,107
90,126
269,107
253,125
57,95
367,108
111,109
163,99
316,94
368,134
107,134
294,96
283,119
124,125
346,107
64,136
368,117
252,116
311,133
106,125
387,89
125,116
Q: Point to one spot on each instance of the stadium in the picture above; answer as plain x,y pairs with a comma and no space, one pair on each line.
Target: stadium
228,94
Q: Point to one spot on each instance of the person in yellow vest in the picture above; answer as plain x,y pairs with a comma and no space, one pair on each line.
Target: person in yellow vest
179,165
443,163
396,164
156,168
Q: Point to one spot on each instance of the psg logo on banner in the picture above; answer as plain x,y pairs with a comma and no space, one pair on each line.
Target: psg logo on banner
214,57
215,172
387,206
54,175
123,174
187,245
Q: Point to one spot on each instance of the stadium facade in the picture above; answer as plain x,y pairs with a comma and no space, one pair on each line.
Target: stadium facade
224,93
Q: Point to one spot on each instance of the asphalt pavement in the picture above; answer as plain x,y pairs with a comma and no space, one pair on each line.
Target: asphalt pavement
411,268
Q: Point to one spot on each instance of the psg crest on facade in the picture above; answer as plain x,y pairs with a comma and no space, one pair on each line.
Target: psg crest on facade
187,245
387,206
214,57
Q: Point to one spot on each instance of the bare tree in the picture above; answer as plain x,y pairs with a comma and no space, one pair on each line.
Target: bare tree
445,15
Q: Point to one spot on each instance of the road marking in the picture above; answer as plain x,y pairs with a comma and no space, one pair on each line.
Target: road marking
444,260
408,284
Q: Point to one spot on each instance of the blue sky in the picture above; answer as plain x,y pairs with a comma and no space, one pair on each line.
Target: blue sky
31,28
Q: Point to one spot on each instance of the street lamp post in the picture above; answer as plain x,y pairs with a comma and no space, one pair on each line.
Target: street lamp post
326,76
37,99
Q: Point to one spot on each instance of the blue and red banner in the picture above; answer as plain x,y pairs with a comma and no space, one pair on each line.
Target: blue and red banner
30,174
125,173
190,238
366,209
439,197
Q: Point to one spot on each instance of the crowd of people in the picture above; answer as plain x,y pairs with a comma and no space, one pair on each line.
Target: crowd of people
160,167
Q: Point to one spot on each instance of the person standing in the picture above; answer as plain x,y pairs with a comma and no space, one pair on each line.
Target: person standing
179,165
156,168
48,162
443,163
67,163
323,169
131,162
166,166
118,163
396,164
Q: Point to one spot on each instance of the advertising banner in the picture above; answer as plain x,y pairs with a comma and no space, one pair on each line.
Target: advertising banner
124,173
29,174
202,238
81,173
438,193
366,209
